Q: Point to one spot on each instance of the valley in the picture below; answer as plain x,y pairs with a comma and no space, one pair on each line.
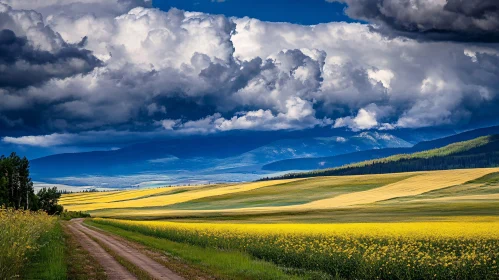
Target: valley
428,223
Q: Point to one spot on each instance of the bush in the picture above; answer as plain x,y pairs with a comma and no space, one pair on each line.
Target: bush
68,215
19,237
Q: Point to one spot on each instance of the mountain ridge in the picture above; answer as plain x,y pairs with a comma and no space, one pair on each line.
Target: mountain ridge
336,161
480,152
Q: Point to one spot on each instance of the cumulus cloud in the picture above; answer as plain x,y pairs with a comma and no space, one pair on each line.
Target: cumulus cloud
21,65
55,139
31,53
457,20
75,8
299,114
136,69
364,120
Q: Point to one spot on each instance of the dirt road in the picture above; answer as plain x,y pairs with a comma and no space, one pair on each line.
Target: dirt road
114,270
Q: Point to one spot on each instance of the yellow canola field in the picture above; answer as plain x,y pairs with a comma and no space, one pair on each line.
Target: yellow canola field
416,185
116,196
487,230
19,236
426,250
164,200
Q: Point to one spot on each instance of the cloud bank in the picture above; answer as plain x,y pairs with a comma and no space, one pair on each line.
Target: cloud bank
455,20
84,66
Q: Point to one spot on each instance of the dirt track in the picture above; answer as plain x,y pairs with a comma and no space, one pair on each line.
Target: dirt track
114,270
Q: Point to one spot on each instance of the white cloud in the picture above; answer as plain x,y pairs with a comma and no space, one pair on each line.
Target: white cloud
364,120
168,124
340,139
75,8
382,76
279,75
51,140
299,115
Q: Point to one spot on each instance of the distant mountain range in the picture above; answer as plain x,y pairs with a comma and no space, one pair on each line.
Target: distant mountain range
477,153
343,159
213,153
235,157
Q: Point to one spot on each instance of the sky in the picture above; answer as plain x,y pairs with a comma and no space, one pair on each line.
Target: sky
305,12
81,75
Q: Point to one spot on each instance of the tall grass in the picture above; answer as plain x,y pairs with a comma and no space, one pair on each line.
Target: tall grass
19,237
48,262
441,250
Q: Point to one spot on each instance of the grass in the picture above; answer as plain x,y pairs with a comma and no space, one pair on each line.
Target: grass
222,264
22,234
293,193
68,215
327,193
422,225
415,185
444,250
164,200
492,178
48,262
85,198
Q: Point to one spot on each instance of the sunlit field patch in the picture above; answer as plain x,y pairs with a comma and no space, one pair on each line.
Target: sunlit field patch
423,182
88,198
301,197
443,250
173,198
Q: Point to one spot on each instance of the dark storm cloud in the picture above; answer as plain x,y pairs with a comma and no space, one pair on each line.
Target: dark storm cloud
21,65
456,20
176,73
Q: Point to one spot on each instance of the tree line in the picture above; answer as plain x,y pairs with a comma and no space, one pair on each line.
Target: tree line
16,188
477,153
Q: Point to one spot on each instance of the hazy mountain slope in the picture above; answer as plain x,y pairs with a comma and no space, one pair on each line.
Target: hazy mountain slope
207,153
313,147
335,161
477,153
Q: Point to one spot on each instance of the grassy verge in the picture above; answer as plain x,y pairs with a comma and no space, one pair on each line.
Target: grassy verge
81,265
20,238
221,264
48,262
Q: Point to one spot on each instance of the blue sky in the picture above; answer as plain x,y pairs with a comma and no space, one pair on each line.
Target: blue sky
307,12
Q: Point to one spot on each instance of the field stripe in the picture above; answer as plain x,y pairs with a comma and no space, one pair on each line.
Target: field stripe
165,200
123,195
416,185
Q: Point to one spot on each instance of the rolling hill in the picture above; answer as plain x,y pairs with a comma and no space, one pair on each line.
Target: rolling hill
477,153
324,162
373,197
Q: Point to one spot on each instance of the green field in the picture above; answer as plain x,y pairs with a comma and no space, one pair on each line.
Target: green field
436,195
418,225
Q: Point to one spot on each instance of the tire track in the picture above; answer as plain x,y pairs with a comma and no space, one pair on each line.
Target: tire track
132,255
113,269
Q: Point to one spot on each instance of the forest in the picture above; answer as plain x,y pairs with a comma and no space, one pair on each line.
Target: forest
17,191
477,153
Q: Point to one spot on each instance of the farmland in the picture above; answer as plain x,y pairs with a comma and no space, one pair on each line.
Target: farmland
417,225
397,196
452,250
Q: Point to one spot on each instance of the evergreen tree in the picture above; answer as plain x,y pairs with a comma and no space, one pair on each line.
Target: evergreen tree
16,187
